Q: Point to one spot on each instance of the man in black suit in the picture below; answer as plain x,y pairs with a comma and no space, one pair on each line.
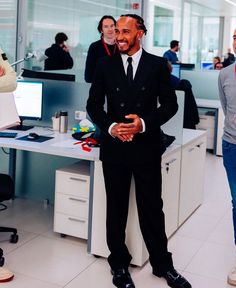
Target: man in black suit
130,146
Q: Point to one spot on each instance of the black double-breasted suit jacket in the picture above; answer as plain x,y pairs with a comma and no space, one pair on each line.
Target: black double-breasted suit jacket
150,97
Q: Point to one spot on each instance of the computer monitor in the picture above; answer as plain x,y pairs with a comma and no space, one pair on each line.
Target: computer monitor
187,66
207,65
29,102
176,70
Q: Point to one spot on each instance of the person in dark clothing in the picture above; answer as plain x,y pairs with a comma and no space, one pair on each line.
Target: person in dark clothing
191,115
106,46
230,59
58,54
132,83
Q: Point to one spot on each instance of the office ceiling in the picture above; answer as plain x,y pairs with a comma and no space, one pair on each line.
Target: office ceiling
219,7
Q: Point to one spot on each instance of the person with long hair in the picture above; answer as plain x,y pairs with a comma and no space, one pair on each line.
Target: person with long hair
106,46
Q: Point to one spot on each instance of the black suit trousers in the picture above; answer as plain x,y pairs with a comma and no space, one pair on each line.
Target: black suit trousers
147,178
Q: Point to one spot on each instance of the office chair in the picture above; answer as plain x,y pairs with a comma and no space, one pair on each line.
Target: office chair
7,193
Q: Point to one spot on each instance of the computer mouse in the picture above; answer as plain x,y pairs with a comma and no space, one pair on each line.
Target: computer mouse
33,136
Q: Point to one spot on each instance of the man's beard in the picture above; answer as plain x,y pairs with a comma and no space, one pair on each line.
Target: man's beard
129,48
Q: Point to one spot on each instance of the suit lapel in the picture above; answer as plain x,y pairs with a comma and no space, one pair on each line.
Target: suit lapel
119,72
142,72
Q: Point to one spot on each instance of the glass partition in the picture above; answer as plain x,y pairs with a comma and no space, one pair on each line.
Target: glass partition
8,12
78,19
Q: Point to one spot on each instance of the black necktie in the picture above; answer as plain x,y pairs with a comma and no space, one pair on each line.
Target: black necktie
130,71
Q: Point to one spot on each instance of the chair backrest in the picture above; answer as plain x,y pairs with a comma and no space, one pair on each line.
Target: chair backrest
6,187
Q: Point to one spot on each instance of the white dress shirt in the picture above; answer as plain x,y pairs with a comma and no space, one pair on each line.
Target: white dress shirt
135,61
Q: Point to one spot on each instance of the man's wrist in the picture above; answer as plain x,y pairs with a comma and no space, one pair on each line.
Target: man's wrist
110,129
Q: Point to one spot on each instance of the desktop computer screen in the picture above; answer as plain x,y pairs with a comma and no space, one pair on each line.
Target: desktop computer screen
207,65
29,100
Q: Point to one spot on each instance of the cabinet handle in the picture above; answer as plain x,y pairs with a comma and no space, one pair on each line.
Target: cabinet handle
171,161
78,179
168,163
76,220
191,149
79,200
199,145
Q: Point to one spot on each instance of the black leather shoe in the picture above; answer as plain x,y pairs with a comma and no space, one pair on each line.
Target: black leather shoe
122,278
174,279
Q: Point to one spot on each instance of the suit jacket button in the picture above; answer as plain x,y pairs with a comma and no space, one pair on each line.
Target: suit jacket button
117,89
143,88
122,104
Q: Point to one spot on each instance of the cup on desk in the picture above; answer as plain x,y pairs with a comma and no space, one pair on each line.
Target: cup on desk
55,123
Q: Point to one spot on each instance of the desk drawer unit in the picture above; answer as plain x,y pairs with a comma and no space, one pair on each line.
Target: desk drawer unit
72,200
207,122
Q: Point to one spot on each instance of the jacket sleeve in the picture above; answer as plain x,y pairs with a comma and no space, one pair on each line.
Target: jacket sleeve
96,101
7,81
167,106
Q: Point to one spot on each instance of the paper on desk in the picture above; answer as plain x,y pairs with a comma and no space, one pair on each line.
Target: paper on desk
8,113
69,143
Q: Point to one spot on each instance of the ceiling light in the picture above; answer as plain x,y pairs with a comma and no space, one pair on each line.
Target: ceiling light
231,2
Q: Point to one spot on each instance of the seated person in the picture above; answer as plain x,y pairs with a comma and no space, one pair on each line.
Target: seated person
229,59
191,116
171,54
217,65
58,54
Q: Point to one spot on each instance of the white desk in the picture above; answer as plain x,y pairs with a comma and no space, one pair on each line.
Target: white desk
57,146
219,121
96,216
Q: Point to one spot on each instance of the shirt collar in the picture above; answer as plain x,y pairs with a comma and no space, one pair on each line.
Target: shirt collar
136,57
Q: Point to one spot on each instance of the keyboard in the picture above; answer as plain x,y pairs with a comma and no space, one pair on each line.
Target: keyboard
8,134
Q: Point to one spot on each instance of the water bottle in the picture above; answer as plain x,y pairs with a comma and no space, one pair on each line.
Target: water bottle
63,122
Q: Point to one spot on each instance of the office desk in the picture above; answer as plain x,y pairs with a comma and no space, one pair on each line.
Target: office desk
60,145
173,180
219,121
47,147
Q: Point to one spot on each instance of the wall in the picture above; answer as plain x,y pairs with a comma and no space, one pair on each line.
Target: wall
204,83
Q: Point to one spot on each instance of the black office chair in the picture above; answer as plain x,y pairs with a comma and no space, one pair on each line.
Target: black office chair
7,193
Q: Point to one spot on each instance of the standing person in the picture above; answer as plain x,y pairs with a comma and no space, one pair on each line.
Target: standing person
106,46
7,84
171,54
58,54
227,93
133,82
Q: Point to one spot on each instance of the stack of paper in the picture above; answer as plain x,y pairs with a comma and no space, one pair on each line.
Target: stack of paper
8,113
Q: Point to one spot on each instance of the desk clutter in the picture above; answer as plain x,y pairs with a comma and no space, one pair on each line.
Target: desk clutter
60,121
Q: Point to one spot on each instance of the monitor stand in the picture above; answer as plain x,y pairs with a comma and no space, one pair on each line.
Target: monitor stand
21,127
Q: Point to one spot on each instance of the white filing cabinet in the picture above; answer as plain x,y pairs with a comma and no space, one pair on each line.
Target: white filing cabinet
170,189
134,240
71,200
192,175
207,122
